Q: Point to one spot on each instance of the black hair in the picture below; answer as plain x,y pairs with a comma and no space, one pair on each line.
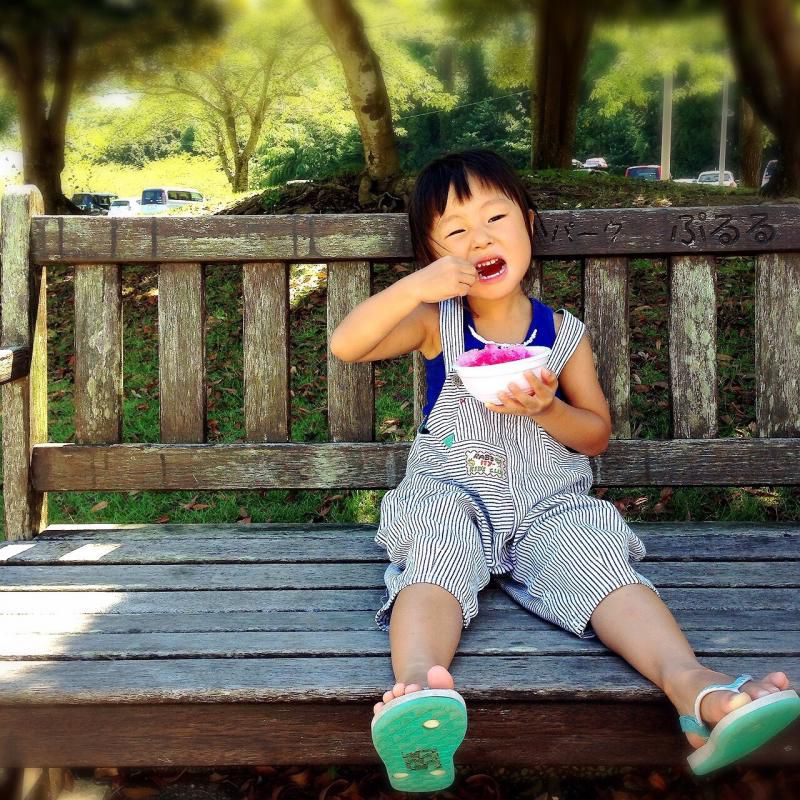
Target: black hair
429,197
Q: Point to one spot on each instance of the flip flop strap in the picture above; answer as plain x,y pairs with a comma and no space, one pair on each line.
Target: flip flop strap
695,724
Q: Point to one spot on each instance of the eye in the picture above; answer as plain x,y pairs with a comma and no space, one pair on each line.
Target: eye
499,216
460,230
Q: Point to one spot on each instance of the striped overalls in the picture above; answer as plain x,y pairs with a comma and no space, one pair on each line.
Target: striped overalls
494,494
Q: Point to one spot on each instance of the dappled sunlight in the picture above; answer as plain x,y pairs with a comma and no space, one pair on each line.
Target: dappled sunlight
90,552
306,279
10,550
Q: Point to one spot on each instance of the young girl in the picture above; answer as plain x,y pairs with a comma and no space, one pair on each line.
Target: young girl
526,516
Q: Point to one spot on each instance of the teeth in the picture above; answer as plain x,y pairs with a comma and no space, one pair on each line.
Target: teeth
489,263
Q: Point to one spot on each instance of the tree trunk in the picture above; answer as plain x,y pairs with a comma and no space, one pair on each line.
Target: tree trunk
562,40
43,130
241,174
752,144
367,90
765,38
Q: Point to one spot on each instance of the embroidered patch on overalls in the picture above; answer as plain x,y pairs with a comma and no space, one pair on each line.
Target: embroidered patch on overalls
449,440
482,463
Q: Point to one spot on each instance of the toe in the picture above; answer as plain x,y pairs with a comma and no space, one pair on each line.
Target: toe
440,678
377,707
412,687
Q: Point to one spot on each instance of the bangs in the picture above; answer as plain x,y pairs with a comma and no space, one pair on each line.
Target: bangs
432,188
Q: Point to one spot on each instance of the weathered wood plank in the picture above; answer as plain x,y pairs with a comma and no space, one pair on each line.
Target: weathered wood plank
693,347
128,467
606,317
265,289
14,363
98,354
235,577
360,679
24,401
66,532
420,386
376,237
220,600
351,389
181,353
555,733
84,646
508,617
778,344
229,544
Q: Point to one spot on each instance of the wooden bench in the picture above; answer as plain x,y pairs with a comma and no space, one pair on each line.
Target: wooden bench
255,644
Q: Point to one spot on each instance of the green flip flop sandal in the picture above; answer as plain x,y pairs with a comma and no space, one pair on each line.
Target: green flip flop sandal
742,731
417,735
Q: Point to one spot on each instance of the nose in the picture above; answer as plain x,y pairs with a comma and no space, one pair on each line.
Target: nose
481,236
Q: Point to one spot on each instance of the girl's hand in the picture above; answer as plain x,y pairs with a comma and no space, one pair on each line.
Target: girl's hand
530,404
444,278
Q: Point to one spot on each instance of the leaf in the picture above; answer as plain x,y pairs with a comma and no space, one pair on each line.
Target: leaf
99,506
162,518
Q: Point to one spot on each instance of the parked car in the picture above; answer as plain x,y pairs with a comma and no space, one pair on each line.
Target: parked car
769,171
644,172
596,162
685,180
166,197
126,207
576,164
93,202
712,177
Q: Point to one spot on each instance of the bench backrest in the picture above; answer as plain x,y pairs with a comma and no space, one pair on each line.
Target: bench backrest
265,246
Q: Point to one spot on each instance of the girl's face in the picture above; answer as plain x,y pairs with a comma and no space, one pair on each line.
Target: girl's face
490,231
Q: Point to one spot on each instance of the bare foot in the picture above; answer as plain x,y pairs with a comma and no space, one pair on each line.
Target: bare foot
684,688
438,678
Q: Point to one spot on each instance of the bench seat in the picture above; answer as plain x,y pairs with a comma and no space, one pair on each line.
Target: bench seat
122,628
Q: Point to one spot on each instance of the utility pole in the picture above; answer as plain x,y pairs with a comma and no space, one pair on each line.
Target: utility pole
723,132
666,127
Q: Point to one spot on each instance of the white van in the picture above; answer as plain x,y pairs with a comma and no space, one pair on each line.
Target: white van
165,197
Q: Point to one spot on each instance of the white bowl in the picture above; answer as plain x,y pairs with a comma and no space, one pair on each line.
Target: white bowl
485,382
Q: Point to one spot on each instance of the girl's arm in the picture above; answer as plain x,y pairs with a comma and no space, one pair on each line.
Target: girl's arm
404,316
584,423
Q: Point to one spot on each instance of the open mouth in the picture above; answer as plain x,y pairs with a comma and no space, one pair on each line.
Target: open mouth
493,268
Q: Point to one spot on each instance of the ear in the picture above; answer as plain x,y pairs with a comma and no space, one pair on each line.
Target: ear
531,217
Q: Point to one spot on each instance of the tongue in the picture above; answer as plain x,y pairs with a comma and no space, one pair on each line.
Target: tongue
491,269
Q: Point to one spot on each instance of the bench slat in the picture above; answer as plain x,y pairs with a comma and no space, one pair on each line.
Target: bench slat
181,352
176,577
181,602
24,324
509,617
265,291
30,646
98,354
693,347
564,732
627,462
777,344
346,237
606,318
232,545
349,679
351,391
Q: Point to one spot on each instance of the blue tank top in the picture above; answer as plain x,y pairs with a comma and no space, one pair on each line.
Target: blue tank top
541,320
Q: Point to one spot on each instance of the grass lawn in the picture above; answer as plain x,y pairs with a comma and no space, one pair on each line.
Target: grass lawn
649,373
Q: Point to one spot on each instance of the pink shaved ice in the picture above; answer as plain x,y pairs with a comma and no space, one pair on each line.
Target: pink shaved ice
492,354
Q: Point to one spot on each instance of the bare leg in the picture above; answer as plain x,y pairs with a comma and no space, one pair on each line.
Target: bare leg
424,633
634,622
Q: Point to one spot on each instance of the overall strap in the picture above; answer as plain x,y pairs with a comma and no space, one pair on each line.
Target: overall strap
567,339
451,330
